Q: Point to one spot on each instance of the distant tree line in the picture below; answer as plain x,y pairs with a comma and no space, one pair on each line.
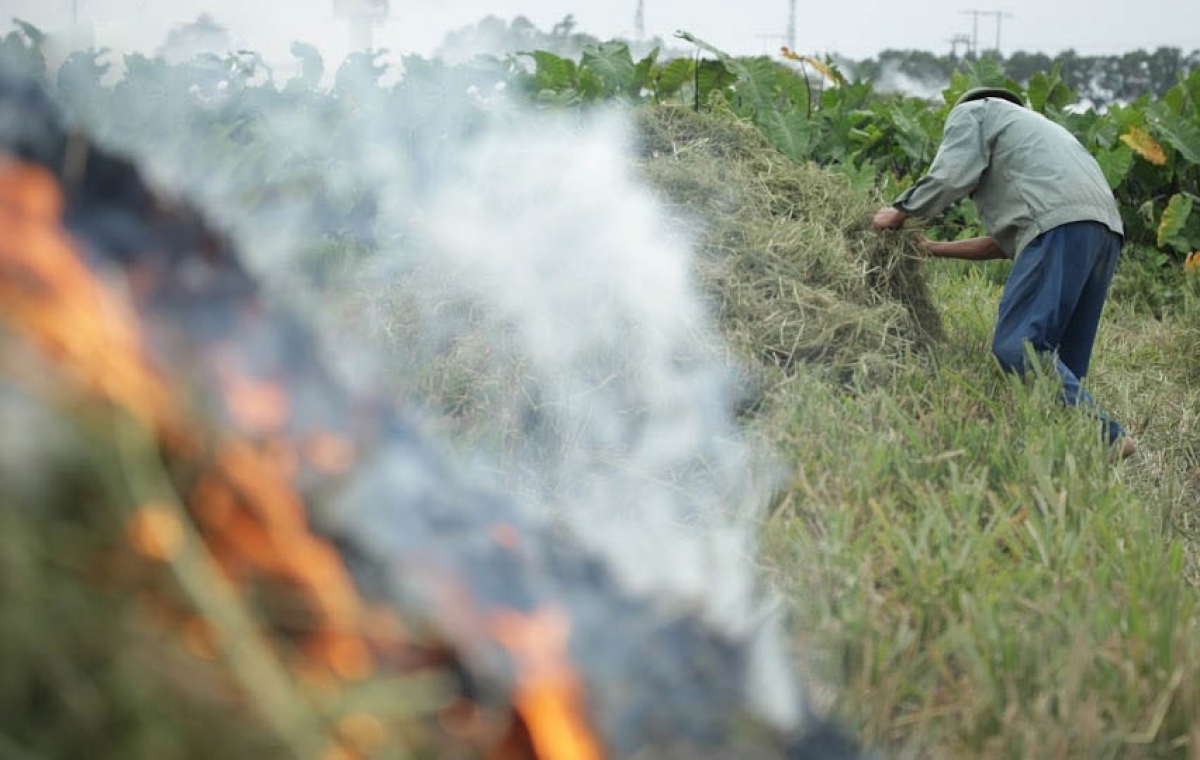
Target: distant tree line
496,36
1099,79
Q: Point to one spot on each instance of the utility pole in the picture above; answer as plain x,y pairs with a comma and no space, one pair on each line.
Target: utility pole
639,21
363,16
83,34
999,15
791,27
956,40
975,13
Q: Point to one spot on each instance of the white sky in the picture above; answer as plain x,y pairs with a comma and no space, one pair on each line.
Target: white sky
856,28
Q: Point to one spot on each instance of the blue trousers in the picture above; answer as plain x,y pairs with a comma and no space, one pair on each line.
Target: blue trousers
1052,303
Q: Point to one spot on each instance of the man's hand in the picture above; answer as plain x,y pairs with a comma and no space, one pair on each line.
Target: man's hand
888,218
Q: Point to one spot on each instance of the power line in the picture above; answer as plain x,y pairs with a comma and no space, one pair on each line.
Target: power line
975,13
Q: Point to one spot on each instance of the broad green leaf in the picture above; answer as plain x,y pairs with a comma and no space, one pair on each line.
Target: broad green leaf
862,178
1182,134
793,91
721,54
910,135
1191,87
1115,163
1047,89
755,76
612,63
1176,98
1174,217
789,132
641,74
673,76
712,76
591,86
551,72
756,82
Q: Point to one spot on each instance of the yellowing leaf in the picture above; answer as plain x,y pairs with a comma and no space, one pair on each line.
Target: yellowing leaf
823,68
1144,145
1192,264
1174,218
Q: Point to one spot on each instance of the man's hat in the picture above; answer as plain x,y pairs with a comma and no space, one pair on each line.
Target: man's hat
979,93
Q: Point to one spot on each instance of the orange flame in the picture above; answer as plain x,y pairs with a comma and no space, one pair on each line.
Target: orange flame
549,693
242,497
254,520
49,292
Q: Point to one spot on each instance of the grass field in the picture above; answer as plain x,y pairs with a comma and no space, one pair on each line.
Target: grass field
970,572
979,577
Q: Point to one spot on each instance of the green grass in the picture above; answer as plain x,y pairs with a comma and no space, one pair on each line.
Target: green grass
972,575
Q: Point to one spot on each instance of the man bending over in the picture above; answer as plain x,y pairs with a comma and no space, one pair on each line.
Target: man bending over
1046,205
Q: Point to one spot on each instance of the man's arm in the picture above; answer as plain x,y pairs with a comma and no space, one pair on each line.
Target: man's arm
973,249
960,162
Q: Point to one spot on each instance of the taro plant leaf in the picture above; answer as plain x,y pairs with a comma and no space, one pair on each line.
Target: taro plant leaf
910,135
712,76
591,86
1184,98
1115,163
551,72
960,82
862,178
612,63
1047,89
794,92
756,82
641,74
671,78
1144,145
755,77
1182,134
789,132
1174,217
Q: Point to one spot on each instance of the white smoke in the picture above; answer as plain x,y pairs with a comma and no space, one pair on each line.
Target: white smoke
892,79
547,230
529,240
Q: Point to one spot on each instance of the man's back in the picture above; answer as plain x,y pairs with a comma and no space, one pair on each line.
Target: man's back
1026,174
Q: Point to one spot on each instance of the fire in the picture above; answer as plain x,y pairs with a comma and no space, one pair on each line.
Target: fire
549,694
254,520
48,291
239,486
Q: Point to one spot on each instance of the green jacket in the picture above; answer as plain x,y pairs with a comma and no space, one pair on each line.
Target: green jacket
1026,174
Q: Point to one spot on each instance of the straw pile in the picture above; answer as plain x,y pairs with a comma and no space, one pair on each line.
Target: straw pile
785,251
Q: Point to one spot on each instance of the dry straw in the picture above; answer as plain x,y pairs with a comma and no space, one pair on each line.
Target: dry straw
785,251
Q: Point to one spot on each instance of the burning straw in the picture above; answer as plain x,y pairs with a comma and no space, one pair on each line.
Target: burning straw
211,547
